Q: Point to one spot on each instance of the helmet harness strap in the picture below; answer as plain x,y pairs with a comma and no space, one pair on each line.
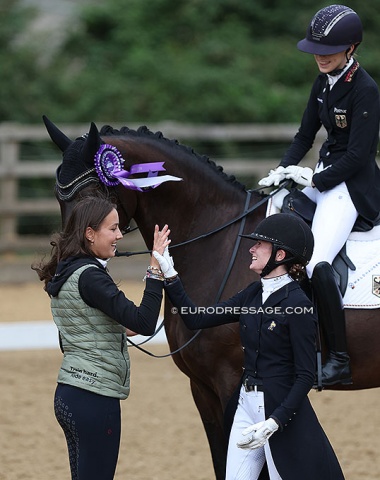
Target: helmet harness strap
273,263
338,71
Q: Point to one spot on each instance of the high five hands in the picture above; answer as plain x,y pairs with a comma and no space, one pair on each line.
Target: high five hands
163,256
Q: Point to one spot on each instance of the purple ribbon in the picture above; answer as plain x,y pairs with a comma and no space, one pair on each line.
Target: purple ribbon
109,167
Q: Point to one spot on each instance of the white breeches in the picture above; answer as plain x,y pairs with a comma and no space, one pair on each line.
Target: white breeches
245,464
334,218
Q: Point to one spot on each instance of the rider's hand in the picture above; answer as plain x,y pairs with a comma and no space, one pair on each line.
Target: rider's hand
300,175
160,242
274,177
166,263
257,435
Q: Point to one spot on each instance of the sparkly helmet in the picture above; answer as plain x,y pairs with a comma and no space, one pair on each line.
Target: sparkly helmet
285,232
333,29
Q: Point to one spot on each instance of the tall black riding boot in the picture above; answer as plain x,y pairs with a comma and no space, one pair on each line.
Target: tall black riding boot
331,316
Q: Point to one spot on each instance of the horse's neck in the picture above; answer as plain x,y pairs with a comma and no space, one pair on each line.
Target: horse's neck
203,201
196,205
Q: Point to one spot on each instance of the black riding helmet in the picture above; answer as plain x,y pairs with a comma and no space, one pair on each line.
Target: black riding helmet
286,232
333,29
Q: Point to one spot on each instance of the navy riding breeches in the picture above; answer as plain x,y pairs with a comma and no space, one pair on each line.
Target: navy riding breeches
92,425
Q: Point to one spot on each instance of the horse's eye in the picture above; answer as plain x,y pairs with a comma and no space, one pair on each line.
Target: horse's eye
125,230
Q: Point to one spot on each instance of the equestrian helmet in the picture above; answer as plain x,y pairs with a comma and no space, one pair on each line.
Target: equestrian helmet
287,232
333,29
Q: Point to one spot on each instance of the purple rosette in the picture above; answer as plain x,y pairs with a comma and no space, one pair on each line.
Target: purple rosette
108,161
109,167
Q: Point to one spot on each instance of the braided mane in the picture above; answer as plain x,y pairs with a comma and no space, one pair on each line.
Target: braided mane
144,131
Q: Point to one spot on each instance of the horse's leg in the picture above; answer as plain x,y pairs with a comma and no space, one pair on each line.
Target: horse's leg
363,334
211,413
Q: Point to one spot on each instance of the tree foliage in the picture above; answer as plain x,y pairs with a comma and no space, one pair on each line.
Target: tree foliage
185,60
19,94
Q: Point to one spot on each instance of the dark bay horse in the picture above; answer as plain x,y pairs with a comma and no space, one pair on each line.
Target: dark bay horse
204,201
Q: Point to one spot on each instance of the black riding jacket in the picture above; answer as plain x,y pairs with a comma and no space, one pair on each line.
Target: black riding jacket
350,113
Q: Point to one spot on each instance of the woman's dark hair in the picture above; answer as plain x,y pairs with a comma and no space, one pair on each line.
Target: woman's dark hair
297,271
72,241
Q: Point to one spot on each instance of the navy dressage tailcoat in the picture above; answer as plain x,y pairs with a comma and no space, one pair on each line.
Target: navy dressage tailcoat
278,338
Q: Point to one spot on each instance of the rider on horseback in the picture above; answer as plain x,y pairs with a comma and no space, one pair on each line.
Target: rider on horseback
345,184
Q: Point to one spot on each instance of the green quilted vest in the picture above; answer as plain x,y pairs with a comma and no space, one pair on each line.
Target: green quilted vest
95,349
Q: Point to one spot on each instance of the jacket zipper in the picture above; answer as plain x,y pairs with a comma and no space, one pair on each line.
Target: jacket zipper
122,352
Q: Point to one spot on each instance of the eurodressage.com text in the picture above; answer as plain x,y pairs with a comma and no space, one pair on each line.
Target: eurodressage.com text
244,310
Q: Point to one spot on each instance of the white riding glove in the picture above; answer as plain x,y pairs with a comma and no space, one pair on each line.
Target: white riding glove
166,263
258,434
301,175
274,177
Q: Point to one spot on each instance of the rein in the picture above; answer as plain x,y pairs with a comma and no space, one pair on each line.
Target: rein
216,230
242,217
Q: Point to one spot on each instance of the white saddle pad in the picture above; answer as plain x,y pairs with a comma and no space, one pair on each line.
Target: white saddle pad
363,249
363,288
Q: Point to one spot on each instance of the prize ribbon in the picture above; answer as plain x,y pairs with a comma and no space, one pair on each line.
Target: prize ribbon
109,167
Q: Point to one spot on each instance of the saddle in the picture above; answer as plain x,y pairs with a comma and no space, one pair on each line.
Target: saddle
297,203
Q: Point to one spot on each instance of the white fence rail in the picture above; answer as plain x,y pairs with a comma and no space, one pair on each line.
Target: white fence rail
12,168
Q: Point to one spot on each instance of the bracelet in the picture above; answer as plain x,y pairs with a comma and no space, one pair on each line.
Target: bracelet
154,276
155,270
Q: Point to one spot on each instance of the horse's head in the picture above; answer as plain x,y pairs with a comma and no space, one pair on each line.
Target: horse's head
77,176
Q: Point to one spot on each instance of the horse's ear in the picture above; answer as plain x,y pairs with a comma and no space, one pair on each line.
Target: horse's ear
56,135
92,145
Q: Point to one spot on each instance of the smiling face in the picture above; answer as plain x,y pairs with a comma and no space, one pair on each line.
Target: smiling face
261,252
103,240
329,63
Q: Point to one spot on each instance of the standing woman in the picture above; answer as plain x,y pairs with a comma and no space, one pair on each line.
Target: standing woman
278,335
345,184
92,316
